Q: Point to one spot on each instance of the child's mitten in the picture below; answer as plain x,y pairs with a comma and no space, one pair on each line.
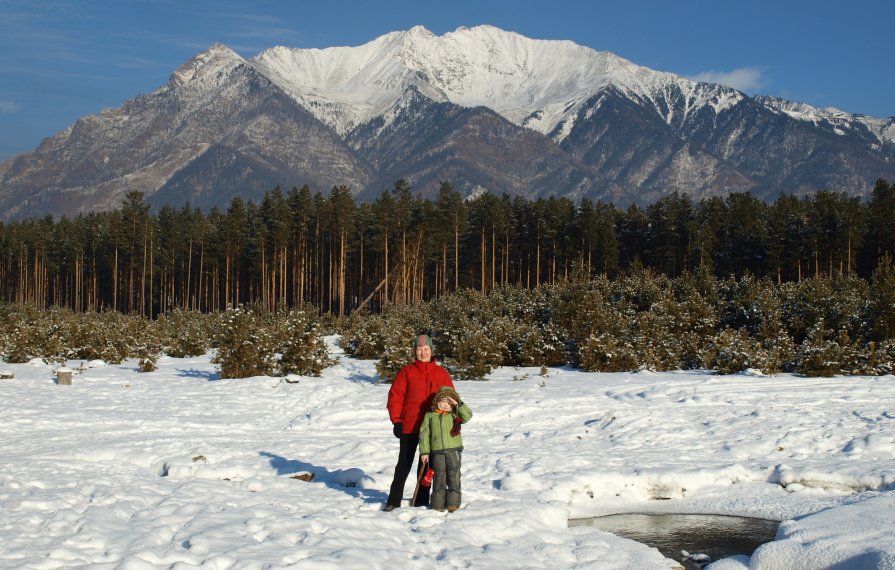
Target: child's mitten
455,431
427,478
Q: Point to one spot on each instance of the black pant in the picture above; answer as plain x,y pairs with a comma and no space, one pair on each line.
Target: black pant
409,444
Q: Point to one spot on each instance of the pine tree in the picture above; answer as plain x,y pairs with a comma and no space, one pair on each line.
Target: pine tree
245,345
184,333
363,335
301,348
731,351
402,325
882,300
608,353
819,354
709,232
477,352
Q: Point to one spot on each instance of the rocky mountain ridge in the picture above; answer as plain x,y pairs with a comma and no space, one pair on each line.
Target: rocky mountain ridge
487,109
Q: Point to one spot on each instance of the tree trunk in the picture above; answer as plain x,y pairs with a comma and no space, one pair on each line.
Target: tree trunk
482,252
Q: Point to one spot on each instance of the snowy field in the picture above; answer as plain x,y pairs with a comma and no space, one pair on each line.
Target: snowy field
179,469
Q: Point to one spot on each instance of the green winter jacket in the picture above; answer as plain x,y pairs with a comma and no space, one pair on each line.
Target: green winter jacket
435,431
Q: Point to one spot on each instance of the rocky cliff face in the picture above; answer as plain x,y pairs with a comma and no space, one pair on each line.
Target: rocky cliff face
483,108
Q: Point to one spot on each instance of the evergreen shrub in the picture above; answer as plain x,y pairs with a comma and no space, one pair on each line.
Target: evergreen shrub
245,343
185,333
608,353
477,352
363,335
301,346
822,353
402,323
880,358
731,351
776,354
818,327
22,339
881,300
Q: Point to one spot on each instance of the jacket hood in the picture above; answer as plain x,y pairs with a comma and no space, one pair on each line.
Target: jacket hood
444,392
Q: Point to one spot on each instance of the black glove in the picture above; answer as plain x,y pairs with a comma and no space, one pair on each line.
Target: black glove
398,429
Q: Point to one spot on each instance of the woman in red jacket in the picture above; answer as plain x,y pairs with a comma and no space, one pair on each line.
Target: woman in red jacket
409,399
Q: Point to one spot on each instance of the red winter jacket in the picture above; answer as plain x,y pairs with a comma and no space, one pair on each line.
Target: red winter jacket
411,393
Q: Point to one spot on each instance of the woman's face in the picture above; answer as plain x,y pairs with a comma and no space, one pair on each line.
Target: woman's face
424,353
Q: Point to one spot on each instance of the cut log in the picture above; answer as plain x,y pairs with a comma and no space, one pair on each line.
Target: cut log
63,376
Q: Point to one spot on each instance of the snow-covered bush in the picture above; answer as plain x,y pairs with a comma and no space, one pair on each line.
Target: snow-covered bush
185,333
450,314
731,351
640,289
818,326
363,335
58,334
21,325
245,345
532,345
585,309
671,334
477,352
881,300
746,303
149,349
823,352
607,353
879,358
776,354
838,301
402,324
301,347
110,336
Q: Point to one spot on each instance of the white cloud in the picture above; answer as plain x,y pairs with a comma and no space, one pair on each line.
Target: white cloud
744,78
8,106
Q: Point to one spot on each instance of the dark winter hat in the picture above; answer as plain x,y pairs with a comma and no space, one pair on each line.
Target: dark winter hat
423,340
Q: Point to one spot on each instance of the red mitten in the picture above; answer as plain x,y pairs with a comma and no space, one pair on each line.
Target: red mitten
427,478
455,431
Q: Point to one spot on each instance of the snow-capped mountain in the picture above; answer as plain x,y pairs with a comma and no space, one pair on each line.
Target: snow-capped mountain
482,107
539,84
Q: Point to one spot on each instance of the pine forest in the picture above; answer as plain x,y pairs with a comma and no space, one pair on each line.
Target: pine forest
729,283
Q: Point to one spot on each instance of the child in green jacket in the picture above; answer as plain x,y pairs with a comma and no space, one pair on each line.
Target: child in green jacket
441,446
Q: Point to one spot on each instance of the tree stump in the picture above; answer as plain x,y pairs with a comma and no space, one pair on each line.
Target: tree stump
63,376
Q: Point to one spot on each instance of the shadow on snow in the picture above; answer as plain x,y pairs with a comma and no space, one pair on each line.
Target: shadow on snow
346,480
209,375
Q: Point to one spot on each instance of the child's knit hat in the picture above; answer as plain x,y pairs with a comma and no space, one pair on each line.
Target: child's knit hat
423,340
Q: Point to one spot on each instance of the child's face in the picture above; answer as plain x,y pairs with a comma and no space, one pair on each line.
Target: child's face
444,405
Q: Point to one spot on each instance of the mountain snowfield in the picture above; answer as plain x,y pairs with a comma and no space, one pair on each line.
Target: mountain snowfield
540,84
180,469
537,83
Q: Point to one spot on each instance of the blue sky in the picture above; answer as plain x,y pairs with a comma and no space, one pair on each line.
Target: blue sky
60,60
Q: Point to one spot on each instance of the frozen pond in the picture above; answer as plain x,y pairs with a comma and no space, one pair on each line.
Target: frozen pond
715,536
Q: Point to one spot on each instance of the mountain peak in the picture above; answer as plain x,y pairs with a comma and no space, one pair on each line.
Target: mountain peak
216,58
420,31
